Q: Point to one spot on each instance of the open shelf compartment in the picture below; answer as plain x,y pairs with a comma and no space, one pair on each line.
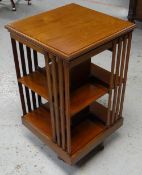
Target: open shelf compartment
80,98
82,134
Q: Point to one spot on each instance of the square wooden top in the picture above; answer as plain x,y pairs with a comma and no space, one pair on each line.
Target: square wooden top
70,30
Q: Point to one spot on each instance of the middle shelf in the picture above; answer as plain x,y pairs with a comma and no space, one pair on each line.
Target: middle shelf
80,98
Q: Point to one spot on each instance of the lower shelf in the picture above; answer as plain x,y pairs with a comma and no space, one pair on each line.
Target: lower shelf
85,136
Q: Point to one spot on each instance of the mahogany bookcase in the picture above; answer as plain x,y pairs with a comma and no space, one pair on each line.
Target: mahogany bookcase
69,119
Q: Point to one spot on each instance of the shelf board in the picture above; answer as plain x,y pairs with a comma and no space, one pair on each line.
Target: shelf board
37,82
85,95
85,131
40,120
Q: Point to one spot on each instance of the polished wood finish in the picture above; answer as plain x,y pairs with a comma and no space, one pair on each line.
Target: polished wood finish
135,10
74,34
71,122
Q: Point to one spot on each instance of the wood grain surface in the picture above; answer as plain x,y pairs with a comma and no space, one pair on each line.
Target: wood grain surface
70,30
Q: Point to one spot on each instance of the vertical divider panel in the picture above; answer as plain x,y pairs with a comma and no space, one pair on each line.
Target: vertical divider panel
25,73
50,92
62,102
30,71
15,54
116,79
56,99
125,71
67,106
111,83
36,67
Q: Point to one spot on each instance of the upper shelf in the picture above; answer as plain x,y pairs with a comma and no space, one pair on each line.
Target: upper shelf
70,30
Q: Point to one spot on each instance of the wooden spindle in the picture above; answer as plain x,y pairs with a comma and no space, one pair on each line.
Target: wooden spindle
36,67
15,54
111,83
67,106
49,86
24,73
30,71
56,100
61,98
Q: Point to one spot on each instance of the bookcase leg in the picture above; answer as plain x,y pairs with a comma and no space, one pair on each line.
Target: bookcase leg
15,54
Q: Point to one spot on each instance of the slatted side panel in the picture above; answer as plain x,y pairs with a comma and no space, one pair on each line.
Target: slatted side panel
25,62
58,90
18,73
119,69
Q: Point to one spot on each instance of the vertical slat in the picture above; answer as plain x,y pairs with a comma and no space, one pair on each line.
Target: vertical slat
67,106
30,71
35,59
49,85
14,48
61,96
56,100
24,73
36,66
111,83
121,77
125,72
116,80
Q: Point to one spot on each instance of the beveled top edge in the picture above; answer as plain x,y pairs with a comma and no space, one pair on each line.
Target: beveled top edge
68,57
